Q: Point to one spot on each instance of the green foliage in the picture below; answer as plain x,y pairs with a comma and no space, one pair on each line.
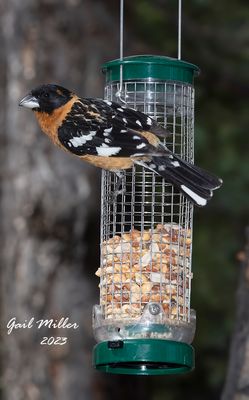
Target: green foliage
214,37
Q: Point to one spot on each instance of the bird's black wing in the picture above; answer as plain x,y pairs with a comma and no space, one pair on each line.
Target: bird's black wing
135,119
98,127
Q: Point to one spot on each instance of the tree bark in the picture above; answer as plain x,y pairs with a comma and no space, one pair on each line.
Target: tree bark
49,200
237,380
50,207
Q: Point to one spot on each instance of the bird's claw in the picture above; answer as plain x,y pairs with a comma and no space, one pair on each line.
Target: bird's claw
119,188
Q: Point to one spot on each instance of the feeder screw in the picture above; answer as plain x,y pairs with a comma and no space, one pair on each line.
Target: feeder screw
154,308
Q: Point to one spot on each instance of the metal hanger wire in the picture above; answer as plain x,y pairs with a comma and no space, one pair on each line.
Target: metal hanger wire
120,92
179,29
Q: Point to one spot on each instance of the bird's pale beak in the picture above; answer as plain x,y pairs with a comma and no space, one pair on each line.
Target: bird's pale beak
29,101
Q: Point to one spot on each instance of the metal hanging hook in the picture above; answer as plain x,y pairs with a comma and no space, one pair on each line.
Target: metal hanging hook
120,91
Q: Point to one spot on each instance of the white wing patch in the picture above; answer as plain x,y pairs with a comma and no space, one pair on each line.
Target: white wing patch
108,130
140,146
109,103
108,151
81,140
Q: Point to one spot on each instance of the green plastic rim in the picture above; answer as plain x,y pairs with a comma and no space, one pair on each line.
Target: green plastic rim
143,357
150,67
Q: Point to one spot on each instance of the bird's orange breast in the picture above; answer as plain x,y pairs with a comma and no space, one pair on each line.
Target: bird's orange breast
109,163
50,123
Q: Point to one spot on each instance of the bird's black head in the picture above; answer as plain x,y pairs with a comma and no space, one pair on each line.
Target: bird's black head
46,98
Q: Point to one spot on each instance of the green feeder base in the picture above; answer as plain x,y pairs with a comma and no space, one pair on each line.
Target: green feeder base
143,357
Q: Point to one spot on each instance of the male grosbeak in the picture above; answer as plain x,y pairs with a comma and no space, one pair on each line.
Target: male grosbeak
114,137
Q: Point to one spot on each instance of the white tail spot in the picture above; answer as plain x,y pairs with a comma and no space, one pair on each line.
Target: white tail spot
197,199
175,163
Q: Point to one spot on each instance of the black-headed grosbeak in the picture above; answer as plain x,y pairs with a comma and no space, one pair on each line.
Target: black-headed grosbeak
114,137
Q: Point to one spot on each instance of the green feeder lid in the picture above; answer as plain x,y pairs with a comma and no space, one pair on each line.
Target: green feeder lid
143,357
151,67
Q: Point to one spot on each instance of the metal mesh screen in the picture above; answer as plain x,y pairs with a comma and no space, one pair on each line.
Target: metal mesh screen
146,231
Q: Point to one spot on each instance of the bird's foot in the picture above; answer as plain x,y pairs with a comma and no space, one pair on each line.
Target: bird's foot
119,188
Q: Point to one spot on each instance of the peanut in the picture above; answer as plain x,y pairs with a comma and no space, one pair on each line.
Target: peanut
146,287
139,267
146,236
98,272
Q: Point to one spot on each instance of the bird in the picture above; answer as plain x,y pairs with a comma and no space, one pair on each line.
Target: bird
115,137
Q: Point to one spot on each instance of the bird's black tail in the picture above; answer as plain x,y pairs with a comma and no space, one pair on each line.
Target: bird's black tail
194,182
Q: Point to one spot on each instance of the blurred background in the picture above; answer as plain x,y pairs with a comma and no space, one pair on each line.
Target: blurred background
50,202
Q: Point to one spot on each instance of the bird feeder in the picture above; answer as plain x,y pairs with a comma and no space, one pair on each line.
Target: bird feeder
144,323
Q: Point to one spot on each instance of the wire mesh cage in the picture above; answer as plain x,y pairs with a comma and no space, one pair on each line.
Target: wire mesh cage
146,228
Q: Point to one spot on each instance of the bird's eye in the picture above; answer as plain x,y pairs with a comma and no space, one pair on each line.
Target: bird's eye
46,95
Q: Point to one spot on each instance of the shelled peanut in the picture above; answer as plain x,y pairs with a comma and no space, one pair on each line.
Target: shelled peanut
143,267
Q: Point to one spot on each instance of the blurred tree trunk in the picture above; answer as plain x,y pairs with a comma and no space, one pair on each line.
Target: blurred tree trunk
237,380
48,200
49,207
